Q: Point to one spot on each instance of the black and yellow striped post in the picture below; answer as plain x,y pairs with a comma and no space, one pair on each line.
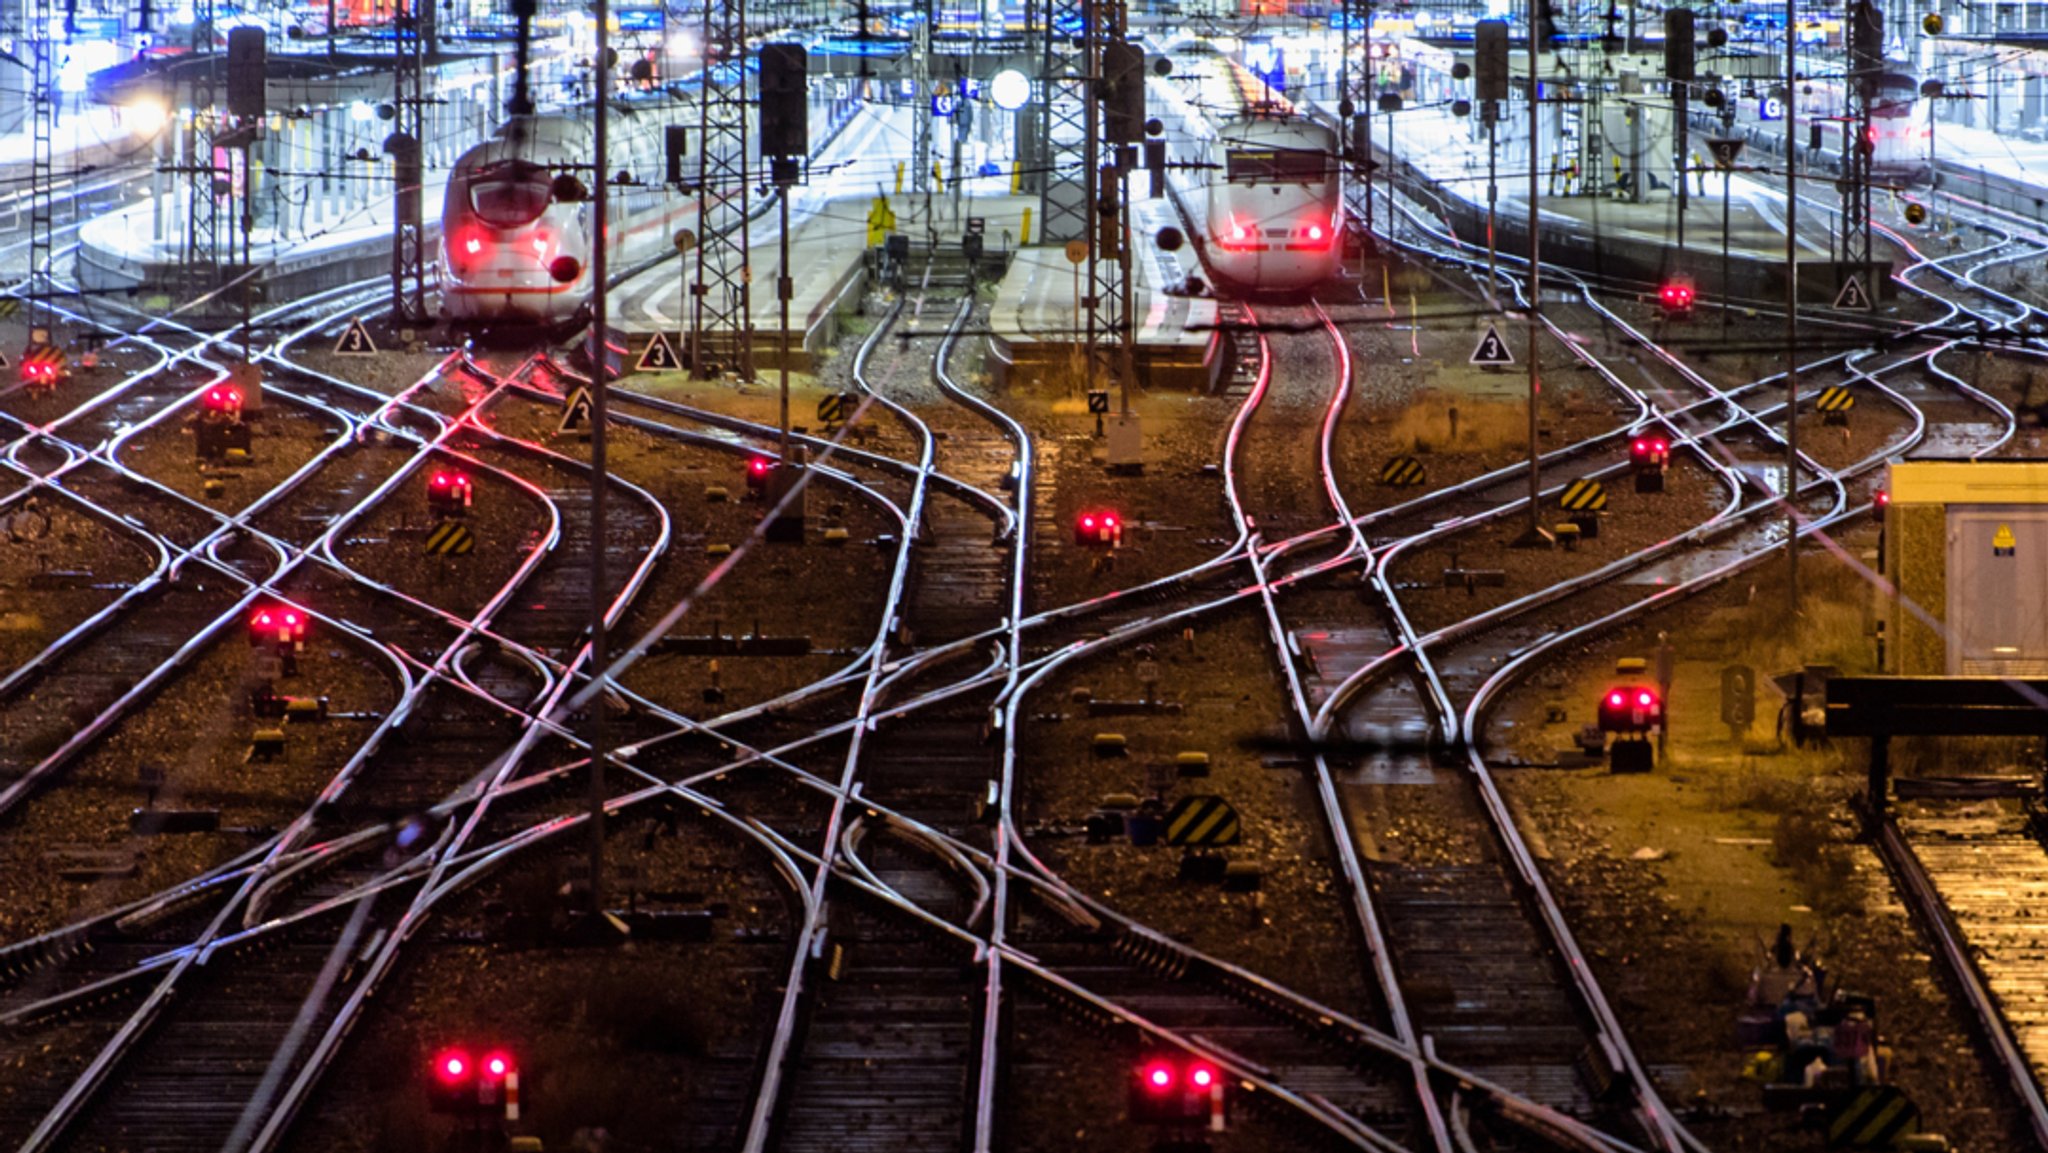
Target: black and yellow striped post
450,539
1584,500
1834,405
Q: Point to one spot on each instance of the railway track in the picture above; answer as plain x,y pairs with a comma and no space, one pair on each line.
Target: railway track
920,850
889,1040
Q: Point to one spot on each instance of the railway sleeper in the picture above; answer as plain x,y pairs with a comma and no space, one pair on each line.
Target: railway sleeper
82,1000
1167,958
23,959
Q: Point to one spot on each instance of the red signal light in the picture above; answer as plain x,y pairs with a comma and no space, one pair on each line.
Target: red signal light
759,466
1173,1089
1883,498
452,1065
440,480
497,1065
1098,528
1629,709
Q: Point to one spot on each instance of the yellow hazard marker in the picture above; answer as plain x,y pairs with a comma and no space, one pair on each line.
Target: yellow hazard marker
2003,543
450,539
1583,495
1874,1118
1203,821
1403,472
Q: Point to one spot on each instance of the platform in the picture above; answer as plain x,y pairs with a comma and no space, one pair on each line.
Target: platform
334,241
2006,172
829,248
1607,235
84,137
1034,331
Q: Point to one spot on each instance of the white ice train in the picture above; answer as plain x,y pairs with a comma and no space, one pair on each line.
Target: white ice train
515,250
1260,190
1898,123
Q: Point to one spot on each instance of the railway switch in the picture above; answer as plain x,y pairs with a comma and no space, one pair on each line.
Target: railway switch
449,493
1099,528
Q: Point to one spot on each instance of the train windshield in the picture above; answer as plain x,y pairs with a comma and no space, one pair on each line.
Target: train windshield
1895,96
1277,165
509,193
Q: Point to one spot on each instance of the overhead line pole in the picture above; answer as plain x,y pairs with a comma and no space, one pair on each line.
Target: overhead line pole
1534,536
600,236
1791,308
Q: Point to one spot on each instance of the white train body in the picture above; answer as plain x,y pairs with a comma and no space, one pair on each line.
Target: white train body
1898,123
506,238
1258,185
1273,217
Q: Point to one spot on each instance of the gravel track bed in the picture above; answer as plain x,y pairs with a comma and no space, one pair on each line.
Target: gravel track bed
1634,521
32,614
393,371
1296,931
358,470
281,440
653,1042
387,545
197,730
86,383
1671,879
829,593
1407,382
1065,1092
